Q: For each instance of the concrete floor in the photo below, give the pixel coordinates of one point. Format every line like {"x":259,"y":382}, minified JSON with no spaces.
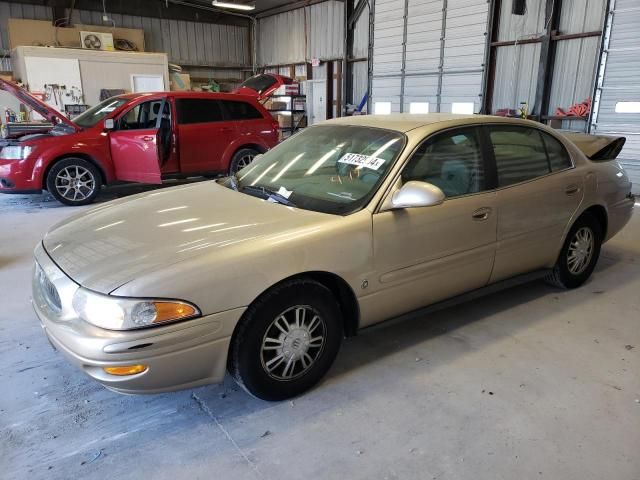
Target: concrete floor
{"x":532,"y":382}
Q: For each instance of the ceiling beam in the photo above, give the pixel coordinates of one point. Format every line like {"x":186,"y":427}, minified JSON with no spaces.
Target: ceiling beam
{"x":287,"y":8}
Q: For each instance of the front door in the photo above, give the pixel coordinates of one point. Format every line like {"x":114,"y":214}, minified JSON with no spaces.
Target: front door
{"x":538,"y":193}
{"x":137,"y":144}
{"x":204,"y":135}
{"x":423,"y":255}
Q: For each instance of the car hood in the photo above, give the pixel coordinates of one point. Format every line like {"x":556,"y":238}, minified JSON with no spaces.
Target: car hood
{"x":110,"y":245}
{"x":39,"y":106}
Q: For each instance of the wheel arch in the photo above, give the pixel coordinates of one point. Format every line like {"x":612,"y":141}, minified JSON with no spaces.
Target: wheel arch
{"x":340,"y":289}
{"x":600,"y":213}
{"x":253,"y":146}
{"x":65,"y":156}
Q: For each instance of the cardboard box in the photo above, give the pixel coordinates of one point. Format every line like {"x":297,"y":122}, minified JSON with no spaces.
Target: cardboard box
{"x":179,"y":82}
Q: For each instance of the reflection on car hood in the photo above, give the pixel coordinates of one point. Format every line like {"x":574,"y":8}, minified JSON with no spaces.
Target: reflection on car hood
{"x":115,"y":243}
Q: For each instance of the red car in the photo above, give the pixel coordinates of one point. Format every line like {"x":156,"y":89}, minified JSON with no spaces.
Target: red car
{"x":142,"y":137}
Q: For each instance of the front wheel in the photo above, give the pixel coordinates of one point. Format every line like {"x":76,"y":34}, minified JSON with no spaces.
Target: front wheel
{"x":74,"y":181}
{"x":241,"y":159}
{"x":579,"y":253}
{"x":286,"y":341}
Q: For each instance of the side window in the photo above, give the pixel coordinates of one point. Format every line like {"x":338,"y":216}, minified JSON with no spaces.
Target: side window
{"x":520,"y":154}
{"x":142,"y":116}
{"x":451,"y":161}
{"x":198,"y":110}
{"x":241,"y":111}
{"x":558,"y":157}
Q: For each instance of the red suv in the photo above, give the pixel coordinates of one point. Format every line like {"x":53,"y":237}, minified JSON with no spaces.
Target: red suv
{"x":140,"y":137}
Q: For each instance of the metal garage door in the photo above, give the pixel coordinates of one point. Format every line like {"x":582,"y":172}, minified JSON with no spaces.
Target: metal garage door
{"x":428,"y":54}
{"x":617,"y":99}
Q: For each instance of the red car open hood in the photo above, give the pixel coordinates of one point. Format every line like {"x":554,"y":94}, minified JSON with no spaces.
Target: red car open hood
{"x":262,"y":85}
{"x":51,"y":114}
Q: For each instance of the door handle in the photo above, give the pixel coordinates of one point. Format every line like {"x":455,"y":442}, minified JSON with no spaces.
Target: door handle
{"x":481,"y":214}
{"x":572,"y":189}
{"x":148,"y":138}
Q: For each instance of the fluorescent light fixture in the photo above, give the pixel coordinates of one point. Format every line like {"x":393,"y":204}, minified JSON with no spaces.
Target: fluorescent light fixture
{"x":382,"y":108}
{"x":462,"y":107}
{"x":419,"y":107}
{"x":235,"y":6}
{"x":628,"y":107}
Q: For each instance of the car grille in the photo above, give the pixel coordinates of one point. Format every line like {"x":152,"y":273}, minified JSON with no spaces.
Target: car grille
{"x":48,"y":290}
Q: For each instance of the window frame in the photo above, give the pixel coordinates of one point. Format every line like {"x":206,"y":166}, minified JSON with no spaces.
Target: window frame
{"x":487,"y":134}
{"x":123,"y":114}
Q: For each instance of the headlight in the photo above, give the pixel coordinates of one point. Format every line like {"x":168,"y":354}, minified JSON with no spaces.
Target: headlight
{"x":15,"y":152}
{"x":119,"y":313}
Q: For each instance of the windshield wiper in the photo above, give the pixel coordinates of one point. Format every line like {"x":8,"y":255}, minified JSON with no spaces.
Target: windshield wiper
{"x":269,"y":194}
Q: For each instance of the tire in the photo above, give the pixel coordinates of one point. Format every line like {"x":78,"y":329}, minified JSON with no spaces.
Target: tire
{"x":241,"y":159}
{"x":262,"y":337}
{"x":583,"y":246}
{"x":61,"y":181}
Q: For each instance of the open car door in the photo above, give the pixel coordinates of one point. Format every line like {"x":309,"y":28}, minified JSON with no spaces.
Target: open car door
{"x":135,"y":143}
{"x":262,"y":85}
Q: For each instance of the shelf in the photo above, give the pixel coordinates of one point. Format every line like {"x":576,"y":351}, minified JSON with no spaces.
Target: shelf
{"x":287,"y":110}
{"x":292,"y":96}
{"x":563,"y":117}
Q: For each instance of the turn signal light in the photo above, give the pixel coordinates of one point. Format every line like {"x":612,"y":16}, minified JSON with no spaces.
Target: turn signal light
{"x":125,"y":370}
{"x":167,"y":311}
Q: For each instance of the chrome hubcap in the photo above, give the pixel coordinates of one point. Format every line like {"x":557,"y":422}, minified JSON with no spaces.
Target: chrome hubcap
{"x":75,"y":183}
{"x":244,"y":161}
{"x":580,"y":251}
{"x":293,"y":342}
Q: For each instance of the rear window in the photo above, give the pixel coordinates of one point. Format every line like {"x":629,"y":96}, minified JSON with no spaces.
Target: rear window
{"x":259,"y":83}
{"x":240,"y":110}
{"x":558,"y":156}
{"x":198,"y":110}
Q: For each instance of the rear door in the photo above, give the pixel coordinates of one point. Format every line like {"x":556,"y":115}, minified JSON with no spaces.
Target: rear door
{"x":135,"y":143}
{"x":203,"y":134}
{"x":538,"y":193}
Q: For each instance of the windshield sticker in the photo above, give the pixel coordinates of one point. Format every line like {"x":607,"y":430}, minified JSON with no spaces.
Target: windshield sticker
{"x":284,"y":192}
{"x":107,"y":109}
{"x":373,"y":163}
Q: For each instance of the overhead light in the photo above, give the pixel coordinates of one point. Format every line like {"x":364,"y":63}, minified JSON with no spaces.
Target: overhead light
{"x":236,"y":6}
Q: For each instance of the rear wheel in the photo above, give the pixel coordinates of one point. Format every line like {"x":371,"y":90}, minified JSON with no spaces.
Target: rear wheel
{"x":286,"y":341}
{"x":74,"y":181}
{"x":579,"y":253}
{"x":241,"y":159}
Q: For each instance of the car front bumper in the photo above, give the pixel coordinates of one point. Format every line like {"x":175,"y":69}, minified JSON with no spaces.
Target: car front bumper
{"x":17,"y":176}
{"x":182,"y":355}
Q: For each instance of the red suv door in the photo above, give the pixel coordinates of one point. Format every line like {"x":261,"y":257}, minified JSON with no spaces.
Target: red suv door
{"x":203,"y":134}
{"x":137,"y":142}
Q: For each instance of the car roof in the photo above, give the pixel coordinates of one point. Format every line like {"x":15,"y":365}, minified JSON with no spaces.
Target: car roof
{"x":404,"y":122}
{"x":219,"y":95}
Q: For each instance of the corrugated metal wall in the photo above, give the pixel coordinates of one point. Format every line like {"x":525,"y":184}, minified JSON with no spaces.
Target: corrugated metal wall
{"x":429,"y":51}
{"x":575,"y":62}
{"x":186,"y":43}
{"x":299,"y":35}
{"x":621,"y":83}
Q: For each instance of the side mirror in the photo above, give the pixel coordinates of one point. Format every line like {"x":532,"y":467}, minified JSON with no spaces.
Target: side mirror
{"x":416,"y":194}
{"x":109,"y":124}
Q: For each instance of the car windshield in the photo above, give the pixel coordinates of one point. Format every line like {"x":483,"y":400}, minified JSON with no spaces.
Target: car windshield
{"x":92,"y":116}
{"x":331,"y":168}
{"x":259,"y":83}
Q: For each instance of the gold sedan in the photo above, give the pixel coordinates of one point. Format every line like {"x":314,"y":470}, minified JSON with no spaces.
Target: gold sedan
{"x":344,"y":225}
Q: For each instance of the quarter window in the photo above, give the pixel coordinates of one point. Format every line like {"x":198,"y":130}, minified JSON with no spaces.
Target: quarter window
{"x":558,"y":156}
{"x":198,"y":110}
{"x":240,"y":110}
{"x":520,"y":154}
{"x":451,"y":161}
